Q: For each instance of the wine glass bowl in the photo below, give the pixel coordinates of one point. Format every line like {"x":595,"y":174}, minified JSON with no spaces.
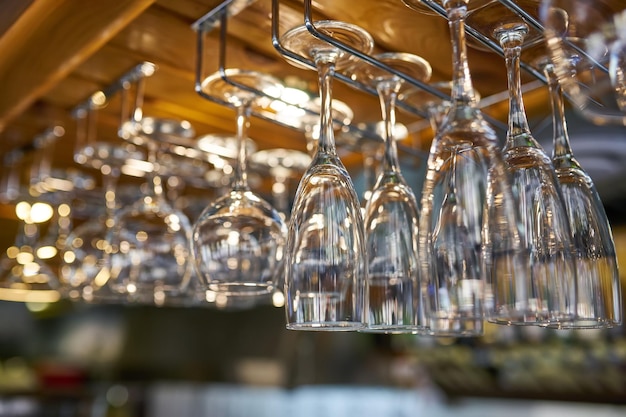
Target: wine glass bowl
{"x":593,"y":77}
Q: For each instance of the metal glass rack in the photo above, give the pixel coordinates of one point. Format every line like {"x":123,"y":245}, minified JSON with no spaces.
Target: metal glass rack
{"x":219,"y":16}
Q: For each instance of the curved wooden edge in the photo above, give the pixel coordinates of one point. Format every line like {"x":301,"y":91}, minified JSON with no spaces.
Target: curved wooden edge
{"x":49,"y":40}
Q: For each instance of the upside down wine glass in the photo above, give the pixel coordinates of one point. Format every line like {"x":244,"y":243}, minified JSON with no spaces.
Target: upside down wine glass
{"x":469,"y":235}
{"x":393,"y":290}
{"x":599,"y":303}
{"x":549,"y":296}
{"x":325,"y":256}
{"x":149,"y":241}
{"x":238,"y":240}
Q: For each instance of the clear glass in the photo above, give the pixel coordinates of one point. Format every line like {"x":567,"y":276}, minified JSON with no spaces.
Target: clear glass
{"x":325,"y":256}
{"x":391,"y":214}
{"x":550,"y":293}
{"x":469,"y":230}
{"x":599,"y":301}
{"x":148,"y":259}
{"x":238,"y":240}
{"x":594,"y":80}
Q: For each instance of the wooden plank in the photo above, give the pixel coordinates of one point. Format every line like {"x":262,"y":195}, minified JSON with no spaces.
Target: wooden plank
{"x":50,"y":39}
{"x":11,"y":11}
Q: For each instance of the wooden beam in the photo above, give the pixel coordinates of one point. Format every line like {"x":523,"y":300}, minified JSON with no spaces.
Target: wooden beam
{"x":49,"y":40}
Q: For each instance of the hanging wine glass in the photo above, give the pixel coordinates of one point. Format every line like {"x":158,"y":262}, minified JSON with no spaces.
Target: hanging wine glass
{"x":238,"y":239}
{"x":599,"y":303}
{"x":550,"y":294}
{"x":84,"y":270}
{"x":325,"y":269}
{"x":469,"y":236}
{"x":149,"y":240}
{"x":391,"y":215}
{"x":594,"y":80}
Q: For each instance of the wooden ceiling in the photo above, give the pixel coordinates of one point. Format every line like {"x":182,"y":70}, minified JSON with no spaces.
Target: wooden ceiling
{"x":56,"y":53}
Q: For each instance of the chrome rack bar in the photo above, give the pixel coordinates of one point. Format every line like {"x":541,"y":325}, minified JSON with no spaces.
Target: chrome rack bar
{"x":213,"y":18}
{"x":308,"y":21}
{"x":371,"y":60}
{"x":219,"y":17}
{"x":308,"y":63}
{"x":99,"y":98}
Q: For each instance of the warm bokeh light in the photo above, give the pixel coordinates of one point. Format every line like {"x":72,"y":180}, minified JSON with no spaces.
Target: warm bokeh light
{"x":41,"y":212}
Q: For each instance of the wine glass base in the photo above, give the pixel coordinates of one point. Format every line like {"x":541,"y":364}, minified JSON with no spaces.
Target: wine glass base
{"x":337,"y":326}
{"x":395,"y":329}
{"x":239,"y":289}
{"x":580,"y":324}
{"x":302,"y":42}
{"x":224,"y":86}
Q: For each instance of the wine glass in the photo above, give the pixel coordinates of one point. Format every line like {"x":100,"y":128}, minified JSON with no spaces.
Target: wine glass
{"x":238,"y":240}
{"x":599,"y":303}
{"x":325,"y":270}
{"x":469,"y":236}
{"x":84,"y":269}
{"x":595,"y":82}
{"x":549,"y":295}
{"x":149,"y":240}
{"x":391,"y":214}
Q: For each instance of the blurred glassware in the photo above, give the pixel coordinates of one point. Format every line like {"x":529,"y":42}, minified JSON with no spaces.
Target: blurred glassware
{"x":24,"y":276}
{"x":84,"y":269}
{"x":149,"y":240}
{"x":587,"y":44}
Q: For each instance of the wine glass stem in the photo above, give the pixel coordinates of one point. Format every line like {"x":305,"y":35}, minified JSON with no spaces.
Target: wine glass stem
{"x":243,"y":123}
{"x":388,"y":93}
{"x":562,"y":148}
{"x":462,"y":89}
{"x":153,"y":176}
{"x":110,"y":178}
{"x":517,"y":123}
{"x":326,"y":69}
